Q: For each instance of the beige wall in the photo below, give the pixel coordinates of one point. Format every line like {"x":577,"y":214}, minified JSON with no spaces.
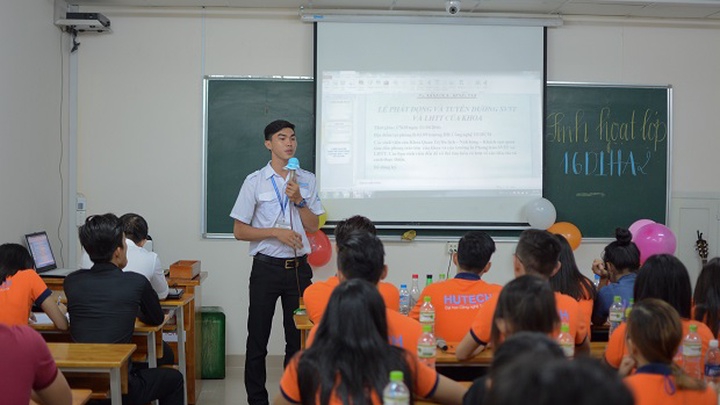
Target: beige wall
{"x":33,"y":150}
{"x":140,"y":124}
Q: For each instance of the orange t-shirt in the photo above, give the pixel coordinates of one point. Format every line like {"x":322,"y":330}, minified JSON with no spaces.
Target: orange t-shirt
{"x":568,"y":310}
{"x":616,"y":347}
{"x":402,"y":331}
{"x":425,"y":381}
{"x":317,"y":295}
{"x":653,"y":389}
{"x":18,"y":293}
{"x":586,"y":307}
{"x":456,"y":302}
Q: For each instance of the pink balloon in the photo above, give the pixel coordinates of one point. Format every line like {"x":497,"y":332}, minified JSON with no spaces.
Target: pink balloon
{"x":635,"y":227}
{"x":320,"y":249}
{"x":655,"y":239}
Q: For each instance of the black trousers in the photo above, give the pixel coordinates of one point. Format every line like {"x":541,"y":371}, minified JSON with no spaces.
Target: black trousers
{"x":268,"y":282}
{"x":148,"y":384}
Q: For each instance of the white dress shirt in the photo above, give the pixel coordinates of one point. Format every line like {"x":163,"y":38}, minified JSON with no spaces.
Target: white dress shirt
{"x":143,"y":262}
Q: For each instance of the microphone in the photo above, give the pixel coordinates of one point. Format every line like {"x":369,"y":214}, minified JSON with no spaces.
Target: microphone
{"x":441,"y":344}
{"x":292,"y":165}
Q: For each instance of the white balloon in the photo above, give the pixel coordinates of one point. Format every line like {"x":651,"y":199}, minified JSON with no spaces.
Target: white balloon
{"x":540,"y":213}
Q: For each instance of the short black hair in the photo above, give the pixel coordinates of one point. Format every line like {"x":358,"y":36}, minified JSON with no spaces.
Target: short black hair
{"x":361,"y":255}
{"x":353,"y":224}
{"x":275,"y":126}
{"x":474,"y":251}
{"x":14,"y":257}
{"x":100,"y":236}
{"x":135,"y":227}
{"x":538,"y":251}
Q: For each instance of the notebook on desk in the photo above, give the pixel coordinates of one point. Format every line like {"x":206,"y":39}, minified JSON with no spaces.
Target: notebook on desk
{"x":38,"y":244}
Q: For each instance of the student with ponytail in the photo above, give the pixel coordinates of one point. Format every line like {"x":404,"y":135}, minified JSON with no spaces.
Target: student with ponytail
{"x":654,"y":333}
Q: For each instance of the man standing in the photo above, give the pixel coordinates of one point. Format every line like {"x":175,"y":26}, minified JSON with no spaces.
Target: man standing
{"x":273,"y":211}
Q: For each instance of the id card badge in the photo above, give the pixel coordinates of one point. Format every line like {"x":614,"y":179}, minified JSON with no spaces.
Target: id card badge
{"x":282,"y":224}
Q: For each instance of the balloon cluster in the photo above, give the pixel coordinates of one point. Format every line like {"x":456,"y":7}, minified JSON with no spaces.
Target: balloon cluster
{"x":652,"y":238}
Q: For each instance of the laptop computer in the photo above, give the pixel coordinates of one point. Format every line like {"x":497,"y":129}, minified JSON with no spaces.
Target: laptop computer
{"x":38,"y":244}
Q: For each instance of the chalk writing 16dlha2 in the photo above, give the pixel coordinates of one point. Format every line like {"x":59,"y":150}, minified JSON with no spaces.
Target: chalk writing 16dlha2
{"x":613,"y":163}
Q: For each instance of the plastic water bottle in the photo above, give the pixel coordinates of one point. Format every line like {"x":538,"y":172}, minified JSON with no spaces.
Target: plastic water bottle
{"x":427,"y":346}
{"x":617,"y":312}
{"x":396,"y":392}
{"x":428,"y":280}
{"x":629,"y":308}
{"x":712,"y":363}
{"x":565,"y":340}
{"x":427,"y":314}
{"x":414,"y":291}
{"x":596,"y":281}
{"x":692,"y":353}
{"x":404,"y":299}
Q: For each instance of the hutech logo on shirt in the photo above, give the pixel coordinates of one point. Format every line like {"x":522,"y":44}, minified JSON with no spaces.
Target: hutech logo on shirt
{"x":464,"y":301}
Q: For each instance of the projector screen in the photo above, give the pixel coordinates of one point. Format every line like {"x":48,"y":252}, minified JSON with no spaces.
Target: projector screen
{"x":428,"y":124}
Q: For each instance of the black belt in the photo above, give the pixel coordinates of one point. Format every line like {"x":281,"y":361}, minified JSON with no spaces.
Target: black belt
{"x":285,"y":263}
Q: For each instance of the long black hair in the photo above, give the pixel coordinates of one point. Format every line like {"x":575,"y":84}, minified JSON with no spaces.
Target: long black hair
{"x":350,"y":356}
{"x":665,"y":277}
{"x":707,"y":295}
{"x":14,"y":257}
{"x":569,"y":280}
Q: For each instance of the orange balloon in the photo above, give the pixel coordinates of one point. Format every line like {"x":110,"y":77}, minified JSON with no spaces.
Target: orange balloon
{"x":569,"y":231}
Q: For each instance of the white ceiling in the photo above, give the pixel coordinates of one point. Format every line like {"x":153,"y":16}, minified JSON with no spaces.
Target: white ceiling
{"x":708,"y":10}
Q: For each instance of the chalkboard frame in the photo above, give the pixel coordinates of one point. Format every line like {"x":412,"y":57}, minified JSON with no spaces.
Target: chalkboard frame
{"x":445,"y":234}
{"x":305,"y":130}
{"x":667,"y":186}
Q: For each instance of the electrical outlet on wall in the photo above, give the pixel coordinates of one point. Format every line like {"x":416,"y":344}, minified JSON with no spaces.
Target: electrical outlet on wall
{"x":451,"y":247}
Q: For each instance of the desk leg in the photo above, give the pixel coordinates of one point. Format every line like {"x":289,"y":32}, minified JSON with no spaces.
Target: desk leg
{"x":152,"y":350}
{"x":180,"y":319}
{"x":115,"y":387}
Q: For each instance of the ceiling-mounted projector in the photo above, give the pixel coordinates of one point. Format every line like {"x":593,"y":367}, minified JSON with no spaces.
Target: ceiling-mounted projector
{"x":82,"y":22}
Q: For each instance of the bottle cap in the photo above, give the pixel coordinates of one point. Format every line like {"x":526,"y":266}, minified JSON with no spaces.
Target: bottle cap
{"x":565,"y":328}
{"x":403,"y":285}
{"x":427,"y":298}
{"x":415,"y":276}
{"x":427,"y":328}
{"x":714,"y":344}
{"x":693,"y":328}
{"x":617,"y":298}
{"x":396,"y":375}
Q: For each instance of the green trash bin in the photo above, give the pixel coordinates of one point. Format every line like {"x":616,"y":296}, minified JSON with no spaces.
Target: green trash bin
{"x":213,"y":343}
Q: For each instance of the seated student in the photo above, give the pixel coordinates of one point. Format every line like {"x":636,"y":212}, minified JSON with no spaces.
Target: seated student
{"x":104,"y":301}
{"x":337,"y":369}
{"x":706,"y":298}
{"x":571,"y":282}
{"x":617,"y":271}
{"x":27,"y":366}
{"x":456,"y":301}
{"x":139,"y":260}
{"x":361,"y":255}
{"x":654,"y":333}
{"x":532,"y":380}
{"x":21,"y":287}
{"x":539,"y":344}
{"x":663,"y":277}
{"x":318,"y":293}
{"x":536,"y":254}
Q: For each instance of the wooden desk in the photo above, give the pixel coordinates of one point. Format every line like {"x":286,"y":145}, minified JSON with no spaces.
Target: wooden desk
{"x":193,"y":337}
{"x":184,"y":311}
{"x":448,"y":359}
{"x":96,"y":358}
{"x":79,"y":397}
{"x":303,"y":324}
{"x":147,"y":338}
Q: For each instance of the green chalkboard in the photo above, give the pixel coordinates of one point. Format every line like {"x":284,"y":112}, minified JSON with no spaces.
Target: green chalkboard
{"x":606,"y":155}
{"x":236,"y":113}
{"x":606,"y":149}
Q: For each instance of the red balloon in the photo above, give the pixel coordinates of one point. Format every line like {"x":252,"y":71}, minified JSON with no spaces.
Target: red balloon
{"x":569,"y":231}
{"x":320,"y":249}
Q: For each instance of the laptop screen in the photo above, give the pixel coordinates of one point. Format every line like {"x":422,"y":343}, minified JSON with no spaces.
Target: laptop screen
{"x":39,"y":245}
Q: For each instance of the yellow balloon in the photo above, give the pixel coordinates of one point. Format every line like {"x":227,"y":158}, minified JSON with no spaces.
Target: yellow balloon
{"x":322,"y":218}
